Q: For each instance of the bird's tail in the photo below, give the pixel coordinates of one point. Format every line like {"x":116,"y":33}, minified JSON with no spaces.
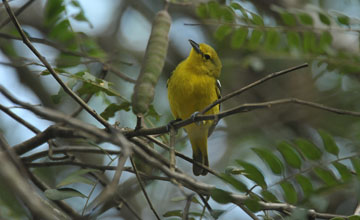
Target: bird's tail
{"x":198,"y":139}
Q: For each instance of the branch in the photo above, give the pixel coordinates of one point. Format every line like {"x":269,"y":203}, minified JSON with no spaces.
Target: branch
{"x":18,"y":12}
{"x":18,"y":119}
{"x":251,"y":85}
{"x":51,"y":132}
{"x":51,"y":70}
{"x":64,"y":150}
{"x":143,"y":189}
{"x":73,"y":53}
{"x":20,"y":187}
{"x":156,"y":160}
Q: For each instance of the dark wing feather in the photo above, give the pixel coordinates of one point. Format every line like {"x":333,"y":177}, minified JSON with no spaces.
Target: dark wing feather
{"x":218,"y":92}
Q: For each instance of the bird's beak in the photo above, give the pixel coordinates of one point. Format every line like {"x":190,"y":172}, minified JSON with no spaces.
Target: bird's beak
{"x":195,"y":46}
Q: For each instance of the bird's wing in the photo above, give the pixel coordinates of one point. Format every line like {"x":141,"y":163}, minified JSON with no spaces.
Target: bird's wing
{"x":218,"y":92}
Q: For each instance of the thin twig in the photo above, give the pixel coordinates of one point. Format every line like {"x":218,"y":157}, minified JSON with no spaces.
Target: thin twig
{"x":156,"y":160}
{"x":286,"y":28}
{"x":172,"y":148}
{"x":143,"y":188}
{"x":251,"y":85}
{"x":21,"y":188}
{"x":18,"y":119}
{"x":249,"y":212}
{"x":51,"y":70}
{"x":186,"y":158}
{"x":187,"y":206}
{"x":73,"y":53}
{"x":17,"y":12}
{"x":63,"y":150}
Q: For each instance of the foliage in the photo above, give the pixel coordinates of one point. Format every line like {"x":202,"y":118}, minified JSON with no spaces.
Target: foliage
{"x":301,"y":171}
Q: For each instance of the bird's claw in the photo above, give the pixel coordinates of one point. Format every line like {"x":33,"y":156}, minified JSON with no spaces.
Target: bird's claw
{"x":193,"y":117}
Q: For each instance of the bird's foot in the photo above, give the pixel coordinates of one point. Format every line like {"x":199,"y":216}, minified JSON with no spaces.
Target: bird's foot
{"x":193,"y":118}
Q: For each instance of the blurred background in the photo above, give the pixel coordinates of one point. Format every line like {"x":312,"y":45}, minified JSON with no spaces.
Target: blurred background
{"x":119,"y":31}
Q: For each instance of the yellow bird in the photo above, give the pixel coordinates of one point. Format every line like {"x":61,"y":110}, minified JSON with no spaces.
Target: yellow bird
{"x":192,"y":86}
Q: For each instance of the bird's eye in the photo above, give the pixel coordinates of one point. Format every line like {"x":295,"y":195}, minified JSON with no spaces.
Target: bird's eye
{"x":207,"y":56}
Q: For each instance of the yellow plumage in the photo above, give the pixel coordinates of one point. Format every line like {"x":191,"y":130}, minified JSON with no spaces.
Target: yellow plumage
{"x":193,"y":86}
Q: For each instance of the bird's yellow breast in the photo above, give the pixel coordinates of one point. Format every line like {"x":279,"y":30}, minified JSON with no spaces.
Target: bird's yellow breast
{"x":193,"y":92}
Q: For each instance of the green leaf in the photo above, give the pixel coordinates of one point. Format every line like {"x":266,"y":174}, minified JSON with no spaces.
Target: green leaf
{"x":310,"y":44}
{"x":288,"y":18}
{"x":172,"y":213}
{"x":309,"y":150}
{"x":65,"y":60}
{"x":255,"y":39}
{"x":202,"y":10}
{"x":269,"y":196}
{"x":93,"y":85}
{"x":111,"y":109}
{"x":324,"y":18}
{"x":153,"y":113}
{"x":257,"y":20}
{"x":272,"y":40}
{"x":305,"y":19}
{"x":62,"y":32}
{"x":227,"y":14}
{"x":289,"y":192}
{"x":76,"y":177}
{"x":214,"y":9}
{"x":354,"y":217}
{"x":92,"y":48}
{"x":337,"y":218}
{"x":81,"y":17}
{"x":356,"y":165}
{"x":216,"y":213}
{"x":252,"y":173}
{"x":294,"y":39}
{"x":220,"y":196}
{"x":53,"y":11}
{"x":343,"y":171}
{"x":234,"y":170}
{"x":325,"y":41}
{"x":64,"y":193}
{"x":329,"y":143}
{"x":289,"y":154}
{"x":222,"y":32}
{"x":239,"y":37}
{"x":253,"y":203}
{"x":56,"y":99}
{"x":326,"y":176}
{"x":270,"y":159}
{"x":305,"y":184}
{"x":237,"y":184}
{"x":237,"y":6}
{"x":343,"y":19}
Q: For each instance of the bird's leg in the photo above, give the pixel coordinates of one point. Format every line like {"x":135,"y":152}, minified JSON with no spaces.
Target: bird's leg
{"x":193,"y":117}
{"x":171,"y":124}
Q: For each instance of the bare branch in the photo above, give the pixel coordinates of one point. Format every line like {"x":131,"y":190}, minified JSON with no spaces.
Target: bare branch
{"x":73,"y":53}
{"x":143,"y":189}
{"x":20,"y":187}
{"x":17,"y":13}
{"x":51,"y":132}
{"x":156,"y":160}
{"x":51,"y":70}
{"x":63,"y":150}
{"x":18,"y":119}
{"x":251,"y":85}
{"x":187,"y":207}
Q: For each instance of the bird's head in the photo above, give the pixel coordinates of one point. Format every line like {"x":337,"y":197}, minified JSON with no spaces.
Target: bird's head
{"x":205,"y":59}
